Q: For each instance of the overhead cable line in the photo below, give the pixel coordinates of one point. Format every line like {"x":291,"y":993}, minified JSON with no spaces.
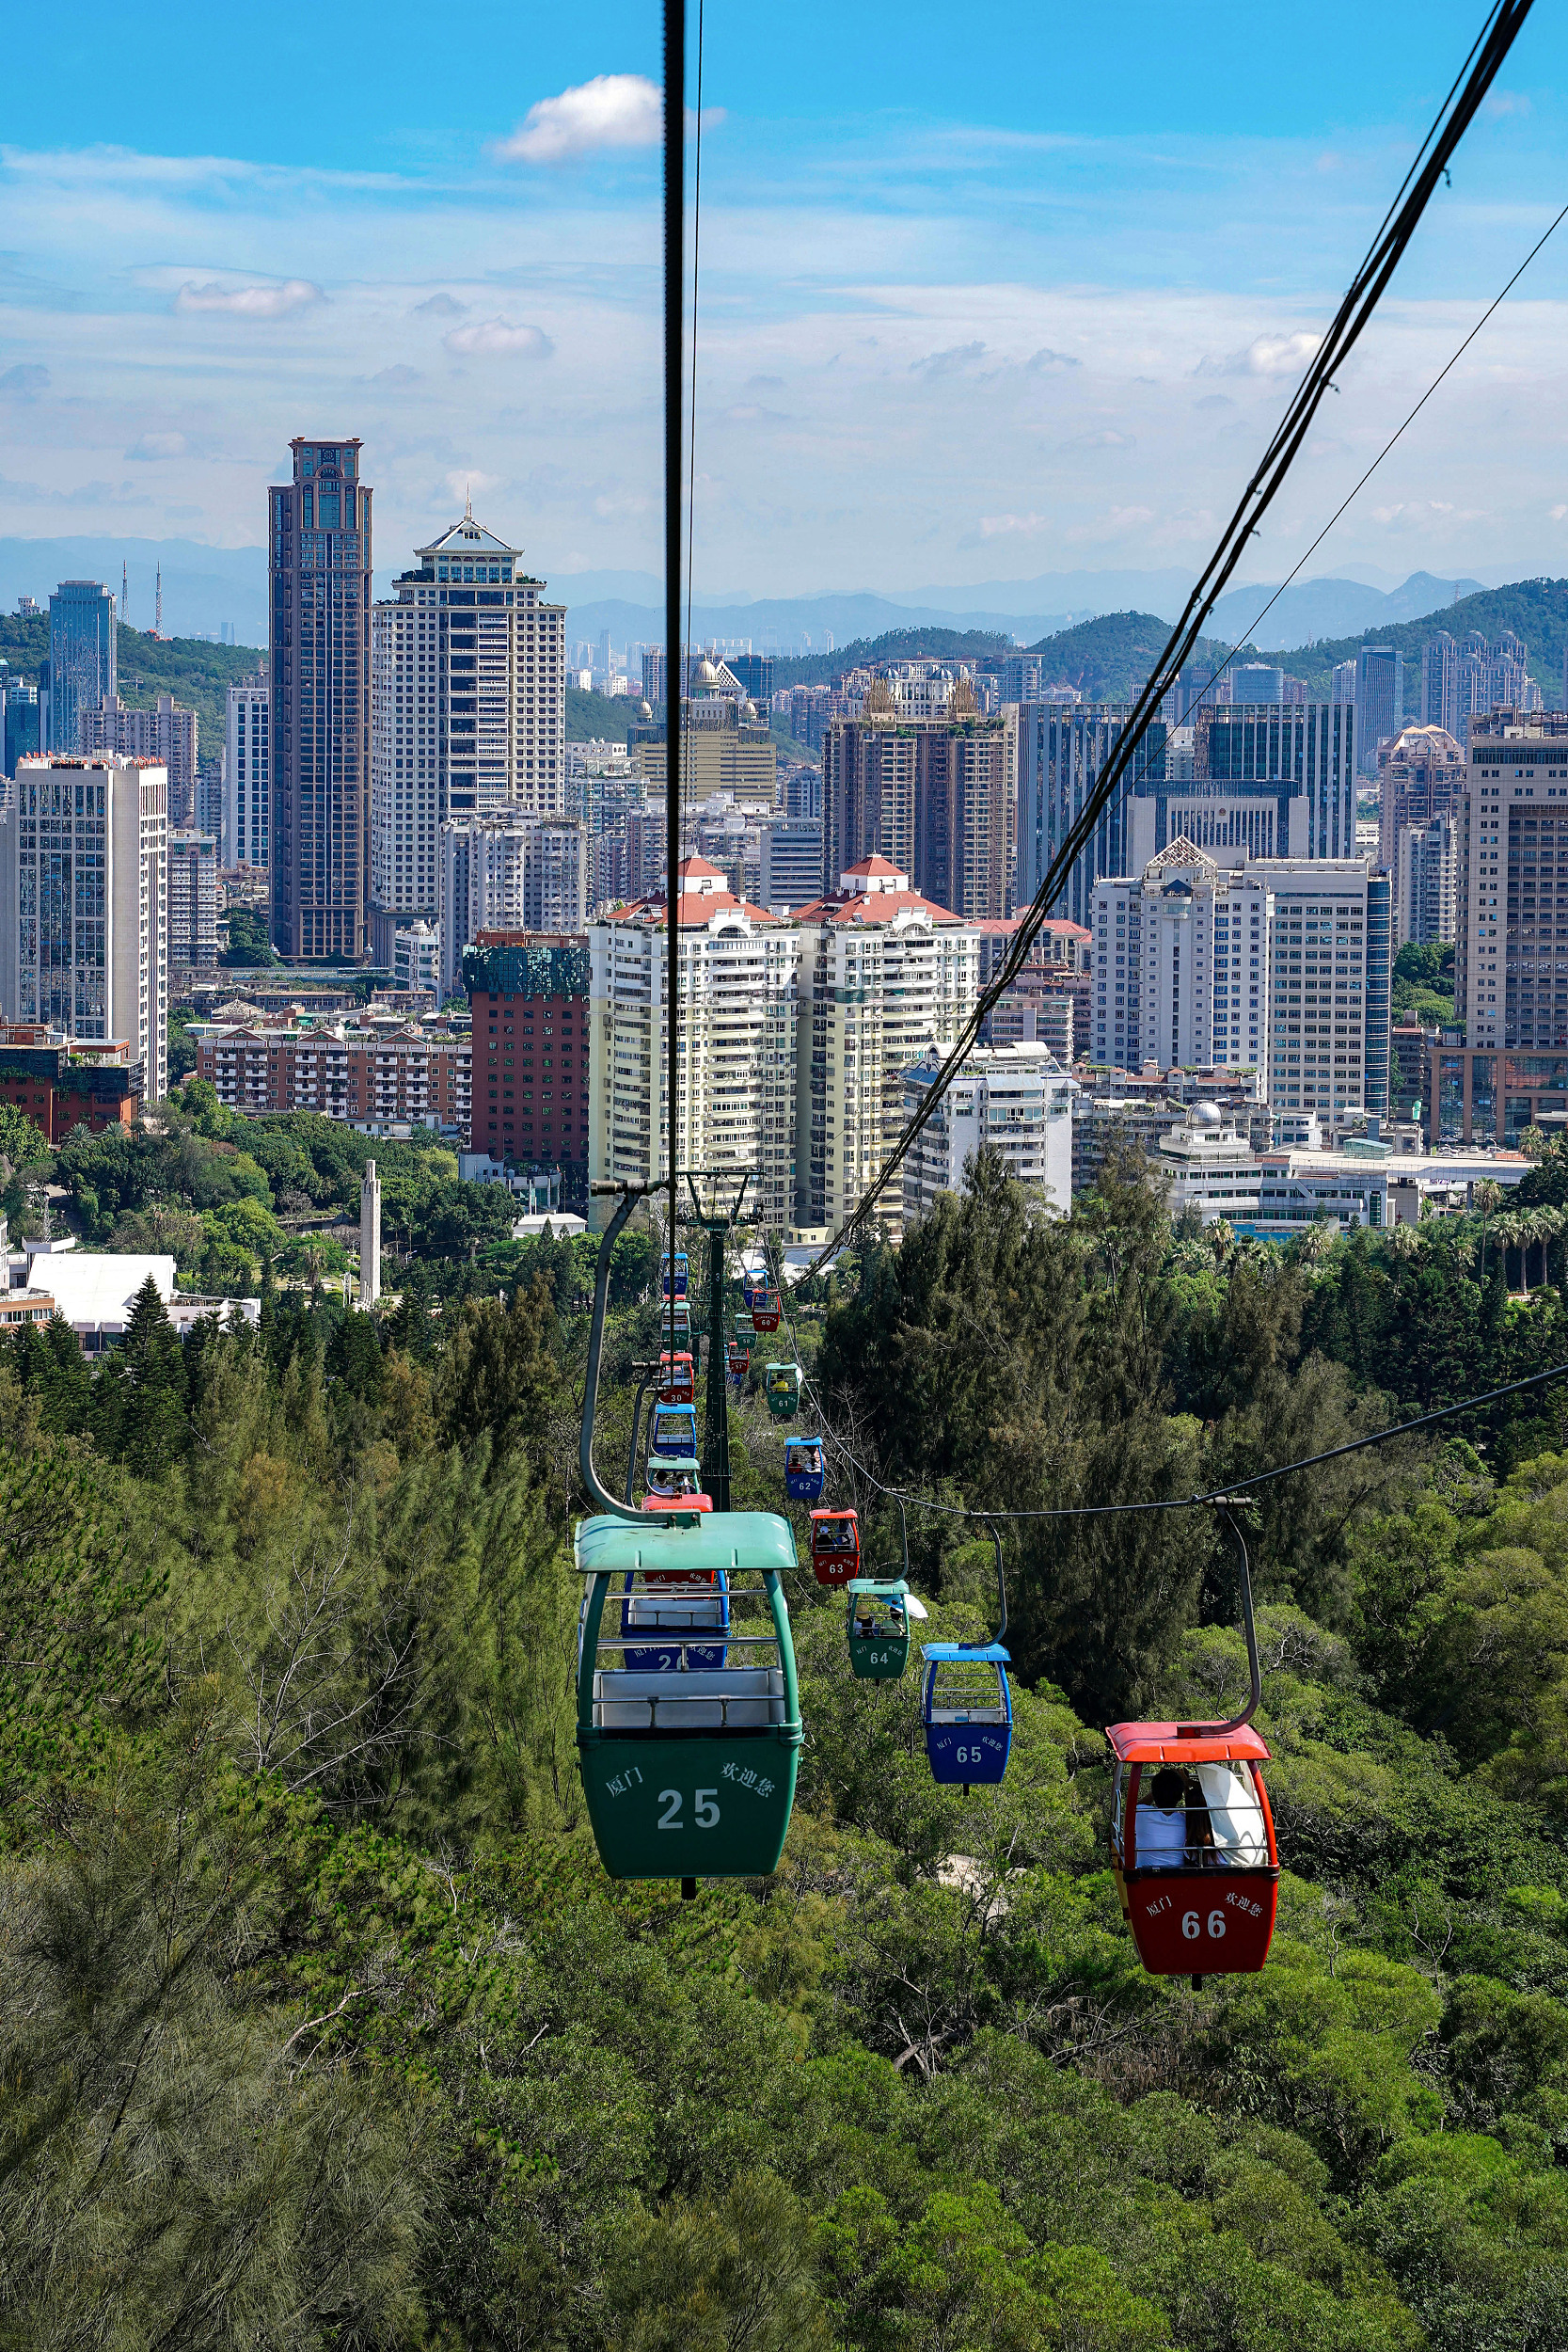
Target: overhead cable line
{"x":1349,"y":320}
{"x":1216,"y":1495}
{"x":685,"y":704}
{"x":1355,"y":491}
{"x":674,"y":287}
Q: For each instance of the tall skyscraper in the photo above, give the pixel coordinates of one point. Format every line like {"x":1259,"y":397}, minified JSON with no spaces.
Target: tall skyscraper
{"x":83,"y":903}
{"x":248,"y":775}
{"x":167,"y":734}
{"x":82,"y":659}
{"x":938,"y":799}
{"x":1379,"y":701}
{"x":509,"y":873}
{"x":468,"y":694}
{"x":1512,"y":964}
{"x":1062,"y":748}
{"x":319,"y":542}
{"x":1280,"y":966}
{"x":1421,"y":775}
{"x":19,"y":718}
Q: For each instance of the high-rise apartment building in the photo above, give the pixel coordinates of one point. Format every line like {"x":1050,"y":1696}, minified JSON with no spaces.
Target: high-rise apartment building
{"x":1511,"y":959}
{"x":167,"y":734}
{"x":739,"y":984}
{"x":885,"y":975}
{"x":1423,"y":870}
{"x":655,"y":675}
{"x":1461,"y":677}
{"x":1015,"y":1099}
{"x":509,"y":873}
{"x":84,"y":904}
{"x":1062,"y":748}
{"x":1282,"y":965}
{"x":527,"y":992}
{"x":193,"y":898}
{"x":468,"y":670}
{"x":938,"y":799}
{"x":1420,"y":776}
{"x":82,"y":659}
{"x":1379,"y":701}
{"x":247,"y":776}
{"x":319,"y":556}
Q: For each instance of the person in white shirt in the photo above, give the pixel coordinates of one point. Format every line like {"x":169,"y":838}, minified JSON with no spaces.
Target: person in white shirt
{"x":1161,"y":1823}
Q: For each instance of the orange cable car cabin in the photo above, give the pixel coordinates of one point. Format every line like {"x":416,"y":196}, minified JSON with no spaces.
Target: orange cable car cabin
{"x":1192,"y":1847}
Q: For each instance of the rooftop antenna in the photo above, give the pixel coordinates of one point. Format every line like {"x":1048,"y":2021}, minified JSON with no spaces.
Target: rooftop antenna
{"x":158,"y":605}
{"x":124,"y":589}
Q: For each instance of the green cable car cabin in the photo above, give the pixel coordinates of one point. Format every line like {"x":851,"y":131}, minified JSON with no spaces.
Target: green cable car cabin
{"x":783,"y":1387}
{"x":877,"y":1626}
{"x":690,"y":1771}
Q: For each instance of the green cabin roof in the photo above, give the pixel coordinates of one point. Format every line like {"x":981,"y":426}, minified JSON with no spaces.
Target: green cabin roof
{"x":729,"y":1540}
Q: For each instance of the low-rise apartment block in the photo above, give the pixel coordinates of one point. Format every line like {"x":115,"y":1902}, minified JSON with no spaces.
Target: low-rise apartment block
{"x":385,"y":1079}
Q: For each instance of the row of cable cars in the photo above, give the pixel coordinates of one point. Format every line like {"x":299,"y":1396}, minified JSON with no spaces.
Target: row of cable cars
{"x":691,"y":1742}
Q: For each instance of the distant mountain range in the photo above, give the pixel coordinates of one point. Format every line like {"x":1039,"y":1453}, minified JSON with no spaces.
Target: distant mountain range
{"x":205,"y":588}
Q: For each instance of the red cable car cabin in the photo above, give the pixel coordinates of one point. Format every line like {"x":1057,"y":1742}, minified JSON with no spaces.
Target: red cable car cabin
{"x":677,"y":1382}
{"x":836,"y":1546}
{"x":1192,"y":1847}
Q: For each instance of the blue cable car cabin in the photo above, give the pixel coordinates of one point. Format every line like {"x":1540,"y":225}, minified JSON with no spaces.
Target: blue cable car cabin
{"x":673,"y":1432}
{"x":675,"y":1616}
{"x":967,"y":1708}
{"x":690,"y":1772}
{"x":805,"y":1469}
{"x":673,"y":1272}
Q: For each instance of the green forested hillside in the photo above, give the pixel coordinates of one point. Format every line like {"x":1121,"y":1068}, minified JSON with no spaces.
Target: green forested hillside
{"x":321,"y":2025}
{"x":1535,"y":610}
{"x":916,"y":643}
{"x":1109,"y":659}
{"x":196,"y":673}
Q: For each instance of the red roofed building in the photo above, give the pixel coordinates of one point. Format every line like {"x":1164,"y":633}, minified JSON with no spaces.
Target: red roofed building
{"x":739,"y":992}
{"x":888,"y":973}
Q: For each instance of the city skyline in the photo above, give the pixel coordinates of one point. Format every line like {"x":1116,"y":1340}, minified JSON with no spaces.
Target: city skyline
{"x":485,"y":305}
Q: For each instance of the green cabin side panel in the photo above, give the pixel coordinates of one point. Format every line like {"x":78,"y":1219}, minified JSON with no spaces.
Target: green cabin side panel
{"x":694,"y":1806}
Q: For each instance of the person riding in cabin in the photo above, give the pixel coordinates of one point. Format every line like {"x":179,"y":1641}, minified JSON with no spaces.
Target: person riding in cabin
{"x":1163,"y":1823}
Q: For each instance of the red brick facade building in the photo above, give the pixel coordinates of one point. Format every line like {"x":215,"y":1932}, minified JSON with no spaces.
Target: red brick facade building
{"x":527,"y":992}
{"x":404,"y":1078}
{"x":61,"y":1085}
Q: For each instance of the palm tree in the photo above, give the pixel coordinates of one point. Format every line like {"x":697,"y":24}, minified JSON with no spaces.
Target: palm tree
{"x":1315,"y":1242}
{"x":1404,"y":1241}
{"x":1488,"y":1200}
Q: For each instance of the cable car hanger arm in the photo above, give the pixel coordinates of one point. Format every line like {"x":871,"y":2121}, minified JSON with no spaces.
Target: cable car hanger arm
{"x":599,"y":1495}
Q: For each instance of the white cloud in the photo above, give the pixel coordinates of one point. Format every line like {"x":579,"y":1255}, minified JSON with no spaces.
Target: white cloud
{"x":441,"y":306}
{"x":154,"y":445}
{"x":397,"y":379}
{"x":488,"y":338}
{"x":937,"y":364}
{"x":1508,"y":101}
{"x":468,"y":483}
{"x":611,"y":110}
{"x":1266,"y":355}
{"x":23,"y":383}
{"x":250,"y":302}
{"x":1012,"y":526}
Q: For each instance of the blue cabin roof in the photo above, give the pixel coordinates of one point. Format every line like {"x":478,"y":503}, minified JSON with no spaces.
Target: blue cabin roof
{"x":954,"y":1653}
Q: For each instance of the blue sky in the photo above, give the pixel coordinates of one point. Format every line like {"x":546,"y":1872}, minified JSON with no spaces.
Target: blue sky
{"x":981,"y":299}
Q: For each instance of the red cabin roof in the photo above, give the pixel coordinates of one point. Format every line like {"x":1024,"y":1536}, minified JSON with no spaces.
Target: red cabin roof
{"x":1165,"y":1743}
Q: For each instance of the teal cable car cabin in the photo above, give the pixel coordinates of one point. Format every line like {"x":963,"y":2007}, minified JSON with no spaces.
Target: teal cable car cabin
{"x":690,"y":1773}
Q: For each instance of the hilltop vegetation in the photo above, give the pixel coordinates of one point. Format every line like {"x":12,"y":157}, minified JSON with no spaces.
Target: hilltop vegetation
{"x":1535,"y":610}
{"x":317,"y":2009}
{"x":196,"y":673}
{"x":918,"y":643}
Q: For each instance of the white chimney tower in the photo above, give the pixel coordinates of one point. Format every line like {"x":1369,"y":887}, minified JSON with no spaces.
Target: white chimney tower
{"x":370,"y":1237}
